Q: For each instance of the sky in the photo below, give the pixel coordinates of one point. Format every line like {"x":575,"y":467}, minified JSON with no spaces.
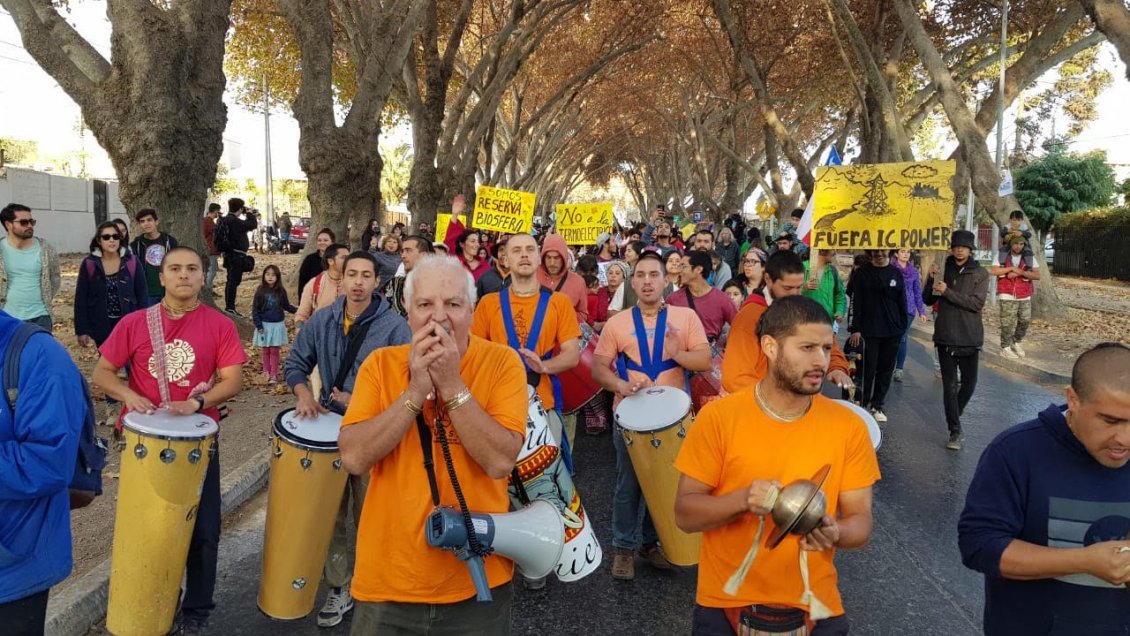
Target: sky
{"x":32,"y":105}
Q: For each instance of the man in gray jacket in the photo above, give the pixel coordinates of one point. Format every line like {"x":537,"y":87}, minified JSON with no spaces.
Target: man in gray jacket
{"x":323,"y":344}
{"x":29,"y":268}
{"x":958,"y":332}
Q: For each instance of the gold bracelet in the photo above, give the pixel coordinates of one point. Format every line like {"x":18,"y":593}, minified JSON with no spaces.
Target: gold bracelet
{"x":412,"y":408}
{"x":458,"y":401}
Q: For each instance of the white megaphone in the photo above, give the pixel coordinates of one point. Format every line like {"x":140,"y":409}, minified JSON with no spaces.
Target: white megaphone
{"x":532,"y":537}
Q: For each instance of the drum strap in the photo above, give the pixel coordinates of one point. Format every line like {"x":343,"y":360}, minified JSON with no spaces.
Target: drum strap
{"x":652,"y":362}
{"x":353,"y":346}
{"x":157,"y":341}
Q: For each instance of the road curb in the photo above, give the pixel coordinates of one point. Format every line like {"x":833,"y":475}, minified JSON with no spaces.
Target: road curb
{"x":1020,"y":367}
{"x":74,"y":608}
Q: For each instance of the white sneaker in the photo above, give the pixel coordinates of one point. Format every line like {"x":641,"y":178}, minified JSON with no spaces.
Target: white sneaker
{"x":1007,"y":352}
{"x":880,"y":416}
{"x":898,"y":375}
{"x":338,"y":604}
{"x":1018,"y":350}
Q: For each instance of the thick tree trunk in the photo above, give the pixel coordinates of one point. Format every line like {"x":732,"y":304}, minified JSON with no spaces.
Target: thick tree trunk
{"x":983,"y":172}
{"x":1113,"y":19}
{"x":344,"y":186}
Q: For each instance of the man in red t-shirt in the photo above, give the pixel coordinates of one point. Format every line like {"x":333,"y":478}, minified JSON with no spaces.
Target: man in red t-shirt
{"x":204,"y":364}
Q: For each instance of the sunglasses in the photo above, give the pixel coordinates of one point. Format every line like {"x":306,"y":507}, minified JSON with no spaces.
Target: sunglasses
{"x":26,"y":222}
{"x":111,"y":237}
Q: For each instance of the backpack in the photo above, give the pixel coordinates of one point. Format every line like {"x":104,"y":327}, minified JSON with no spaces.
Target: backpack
{"x":86,"y":483}
{"x":222,"y":235}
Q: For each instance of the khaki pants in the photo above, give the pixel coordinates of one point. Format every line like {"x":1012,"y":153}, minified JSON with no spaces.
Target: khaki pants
{"x":454,"y":619}
{"x":1016,"y":315}
{"x":569,"y":423}
{"x":337,"y":571}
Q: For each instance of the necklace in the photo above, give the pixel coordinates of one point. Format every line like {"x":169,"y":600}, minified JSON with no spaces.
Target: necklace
{"x":177,"y":313}
{"x":773,"y":414}
{"x":650,"y":313}
{"x":524,"y":294}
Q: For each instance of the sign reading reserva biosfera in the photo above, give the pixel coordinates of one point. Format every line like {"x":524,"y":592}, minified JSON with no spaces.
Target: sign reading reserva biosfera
{"x":506,"y":211}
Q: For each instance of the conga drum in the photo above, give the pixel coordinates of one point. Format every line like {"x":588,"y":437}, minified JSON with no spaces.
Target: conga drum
{"x":306,"y":486}
{"x":545,"y":477}
{"x":706,"y":386}
{"x":654,"y":423}
{"x":577,"y":386}
{"x":162,"y":474}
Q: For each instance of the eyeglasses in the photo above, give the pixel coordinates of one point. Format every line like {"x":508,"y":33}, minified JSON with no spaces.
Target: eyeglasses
{"x":111,"y":237}
{"x":751,"y":261}
{"x":26,"y":222}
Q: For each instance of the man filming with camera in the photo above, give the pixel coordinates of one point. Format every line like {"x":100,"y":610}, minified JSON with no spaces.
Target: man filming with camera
{"x":460,"y":401}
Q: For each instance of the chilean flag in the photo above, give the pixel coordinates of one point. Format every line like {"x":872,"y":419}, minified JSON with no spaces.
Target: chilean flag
{"x":804,"y":230}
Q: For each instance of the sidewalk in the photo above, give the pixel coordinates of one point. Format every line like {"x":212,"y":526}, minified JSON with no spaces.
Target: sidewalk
{"x":1042,"y":364}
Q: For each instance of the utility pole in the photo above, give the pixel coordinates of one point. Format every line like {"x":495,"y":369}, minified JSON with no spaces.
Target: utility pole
{"x":270,"y":203}
{"x":1003,"y":63}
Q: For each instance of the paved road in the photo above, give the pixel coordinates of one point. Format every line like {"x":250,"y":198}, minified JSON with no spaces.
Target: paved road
{"x":909,"y":580}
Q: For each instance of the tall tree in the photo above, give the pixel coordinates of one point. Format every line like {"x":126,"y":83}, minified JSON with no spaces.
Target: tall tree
{"x":156,"y":105}
{"x":1113,"y":19}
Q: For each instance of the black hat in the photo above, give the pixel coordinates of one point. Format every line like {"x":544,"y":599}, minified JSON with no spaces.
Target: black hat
{"x":963,"y":238}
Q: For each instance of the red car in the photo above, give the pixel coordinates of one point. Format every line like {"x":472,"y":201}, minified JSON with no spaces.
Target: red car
{"x":299,"y":231}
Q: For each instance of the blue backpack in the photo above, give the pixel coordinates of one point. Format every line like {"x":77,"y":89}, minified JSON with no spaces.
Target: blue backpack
{"x":86,"y":484}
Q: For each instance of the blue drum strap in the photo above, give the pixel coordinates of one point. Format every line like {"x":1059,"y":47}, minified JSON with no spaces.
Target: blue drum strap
{"x":651,"y":359}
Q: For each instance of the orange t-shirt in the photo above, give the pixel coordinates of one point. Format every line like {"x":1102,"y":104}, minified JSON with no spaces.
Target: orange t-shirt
{"x":394,"y":561}
{"x":743,"y":365}
{"x":619,"y":336}
{"x":733,"y":443}
{"x":559,"y":325}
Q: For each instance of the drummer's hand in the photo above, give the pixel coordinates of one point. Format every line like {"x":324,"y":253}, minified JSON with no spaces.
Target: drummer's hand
{"x":839,"y":378}
{"x":421,"y":353}
{"x":759,"y":494}
{"x":824,"y":537}
{"x":307,"y":406}
{"x":627,"y":389}
{"x":139,"y":404}
{"x":854,"y":339}
{"x":536,"y":364}
{"x":182,"y":407}
{"x":672,"y":342}
{"x":341,"y":397}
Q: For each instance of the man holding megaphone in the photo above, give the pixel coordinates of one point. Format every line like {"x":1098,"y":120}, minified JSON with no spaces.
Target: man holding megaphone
{"x":460,"y":400}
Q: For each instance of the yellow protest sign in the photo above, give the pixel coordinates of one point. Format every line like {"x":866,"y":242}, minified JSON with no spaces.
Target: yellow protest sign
{"x":688,"y":231}
{"x":884,"y":206}
{"x":442,"y":221}
{"x":581,"y":223}
{"x":506,"y":211}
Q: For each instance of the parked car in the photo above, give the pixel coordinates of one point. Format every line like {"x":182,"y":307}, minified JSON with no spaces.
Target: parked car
{"x":299,"y":231}
{"x":1049,"y":251}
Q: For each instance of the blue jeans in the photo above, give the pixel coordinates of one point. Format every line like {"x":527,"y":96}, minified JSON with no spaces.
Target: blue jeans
{"x":902,"y":343}
{"x":44,"y":322}
{"x":213,"y":265}
{"x":631,"y":523}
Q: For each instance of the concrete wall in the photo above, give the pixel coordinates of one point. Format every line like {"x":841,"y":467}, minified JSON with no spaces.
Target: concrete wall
{"x":63,"y":206}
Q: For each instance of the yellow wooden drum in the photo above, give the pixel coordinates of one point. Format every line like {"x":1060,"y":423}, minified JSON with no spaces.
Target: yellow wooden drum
{"x":307,"y":483}
{"x":163,"y":466}
{"x":654,"y":423}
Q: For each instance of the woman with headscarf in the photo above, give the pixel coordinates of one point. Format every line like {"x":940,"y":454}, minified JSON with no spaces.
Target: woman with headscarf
{"x":619,"y":275}
{"x":752,"y":274}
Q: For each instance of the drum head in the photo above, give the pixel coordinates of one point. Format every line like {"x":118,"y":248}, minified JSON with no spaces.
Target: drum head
{"x":653,"y":409}
{"x":873,"y":429}
{"x":319,"y":431}
{"x":166,"y":425}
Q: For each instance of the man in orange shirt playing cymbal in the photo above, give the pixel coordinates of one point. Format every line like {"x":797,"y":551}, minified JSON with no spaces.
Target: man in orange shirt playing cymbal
{"x":736,"y":457}
{"x":464,"y":400}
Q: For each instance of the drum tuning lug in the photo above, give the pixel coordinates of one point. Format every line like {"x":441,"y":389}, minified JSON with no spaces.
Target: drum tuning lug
{"x":337,"y":464}
{"x":656,"y":442}
{"x":194,"y":456}
{"x":682,"y":432}
{"x":168,"y":455}
{"x":140,"y":451}
{"x":278,"y":451}
{"x":120,"y":445}
{"x":306,"y":463}
{"x":627,"y":441}
{"x":298,"y":583}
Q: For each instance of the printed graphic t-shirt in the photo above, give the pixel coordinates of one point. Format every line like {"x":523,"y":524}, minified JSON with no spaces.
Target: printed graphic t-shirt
{"x":733,"y":443}
{"x":153,"y":252}
{"x":619,"y":336}
{"x":196,"y":346}
{"x":394,"y":561}
{"x":559,"y":325}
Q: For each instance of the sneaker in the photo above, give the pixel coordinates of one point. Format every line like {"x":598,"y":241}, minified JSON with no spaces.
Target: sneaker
{"x":623,"y":564}
{"x":1018,"y":350}
{"x":938,"y":373}
{"x":955,"y":441}
{"x":1007,"y":352}
{"x":898,"y":375}
{"x":189,"y":626}
{"x":655,"y":557}
{"x":879,"y":415}
{"x":534,"y":584}
{"x":337,"y":605}
{"x":231,"y":312}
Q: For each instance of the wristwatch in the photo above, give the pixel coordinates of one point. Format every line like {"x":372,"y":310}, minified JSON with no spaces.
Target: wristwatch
{"x":200,"y":401}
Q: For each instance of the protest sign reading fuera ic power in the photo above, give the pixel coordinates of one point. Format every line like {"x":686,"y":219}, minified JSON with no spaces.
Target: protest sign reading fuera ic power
{"x":506,"y":211}
{"x":883,"y":206}
{"x":581,"y":223}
